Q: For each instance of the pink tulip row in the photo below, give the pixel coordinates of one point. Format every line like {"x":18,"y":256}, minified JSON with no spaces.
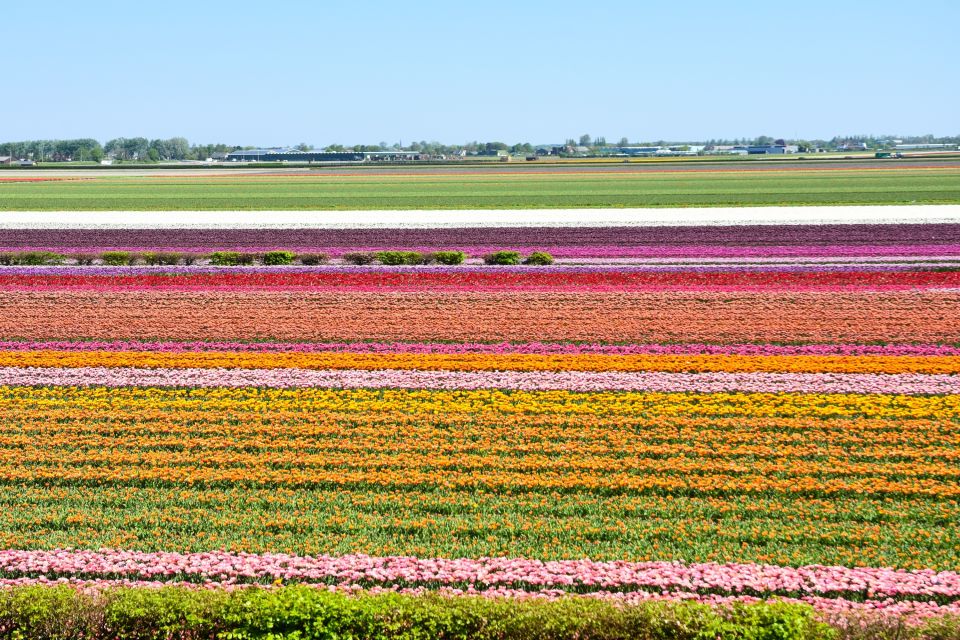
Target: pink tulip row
{"x":711,"y":382}
{"x":676,"y":579}
{"x":546,"y":348}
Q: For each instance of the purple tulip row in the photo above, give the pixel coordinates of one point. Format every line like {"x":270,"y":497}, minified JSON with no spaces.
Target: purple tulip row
{"x":740,"y":235}
{"x":655,"y":381}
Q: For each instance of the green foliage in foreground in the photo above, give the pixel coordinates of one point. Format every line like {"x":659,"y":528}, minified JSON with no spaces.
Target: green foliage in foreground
{"x":305,"y":612}
{"x":493,"y":190}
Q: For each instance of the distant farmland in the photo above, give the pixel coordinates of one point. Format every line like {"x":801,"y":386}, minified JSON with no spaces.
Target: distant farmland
{"x":496,"y":187}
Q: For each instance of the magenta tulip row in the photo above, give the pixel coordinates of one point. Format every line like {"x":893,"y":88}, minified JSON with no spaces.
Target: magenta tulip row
{"x":474,"y":288}
{"x":667,"y":382}
{"x":545,"y":348}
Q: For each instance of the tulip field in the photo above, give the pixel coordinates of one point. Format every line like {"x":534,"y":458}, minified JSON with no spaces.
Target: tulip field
{"x":713,"y":414}
{"x":683,"y":184}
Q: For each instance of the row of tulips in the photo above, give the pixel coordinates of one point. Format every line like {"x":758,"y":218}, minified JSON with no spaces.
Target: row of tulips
{"x":579,"y":381}
{"x":783,"y":529}
{"x":578,"y":576}
{"x":205,"y":426}
{"x":922,"y":316}
{"x":567,"y":363}
{"x":598,"y":279}
{"x":472,"y":403}
{"x":66,"y":240}
{"x":491,"y":348}
{"x":711,"y":444}
{"x":863,"y":608}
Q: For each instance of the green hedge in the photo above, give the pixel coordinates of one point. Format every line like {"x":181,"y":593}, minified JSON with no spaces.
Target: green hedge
{"x":502,"y":257}
{"x":539,"y":258}
{"x":394,"y":258}
{"x":358,"y":257}
{"x":276,"y":258}
{"x":61,"y":612}
{"x":279,"y":257}
{"x":231,"y":258}
{"x":154,"y":258}
{"x":115,"y":258}
{"x":448,"y":257}
{"x":31,"y":258}
{"x":313,"y":259}
{"x":307,"y":612}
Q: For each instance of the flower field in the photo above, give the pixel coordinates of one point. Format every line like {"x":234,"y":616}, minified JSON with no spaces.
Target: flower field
{"x":692,"y":413}
{"x":637,"y":184}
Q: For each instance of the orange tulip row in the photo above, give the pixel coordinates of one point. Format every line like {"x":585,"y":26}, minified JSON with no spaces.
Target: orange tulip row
{"x":268,"y":402}
{"x":561,"y":441}
{"x":906,"y":316}
{"x":483,"y":362}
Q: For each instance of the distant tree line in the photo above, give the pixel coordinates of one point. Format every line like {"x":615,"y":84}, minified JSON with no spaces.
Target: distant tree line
{"x":55,"y":150}
{"x":88,"y":149}
{"x":179,"y":148}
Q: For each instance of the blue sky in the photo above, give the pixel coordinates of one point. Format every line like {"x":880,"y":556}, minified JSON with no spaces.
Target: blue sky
{"x":365,"y":71}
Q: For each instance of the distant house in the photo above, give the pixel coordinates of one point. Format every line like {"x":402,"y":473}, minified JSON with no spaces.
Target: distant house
{"x":852,"y":146}
{"x":771,"y":149}
{"x":725,"y":149}
{"x":295,"y":155}
{"x":6,"y":159}
{"x":926,"y":147}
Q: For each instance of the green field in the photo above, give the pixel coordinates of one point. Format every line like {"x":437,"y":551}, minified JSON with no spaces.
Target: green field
{"x":901,"y":531}
{"x":499,"y":188}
